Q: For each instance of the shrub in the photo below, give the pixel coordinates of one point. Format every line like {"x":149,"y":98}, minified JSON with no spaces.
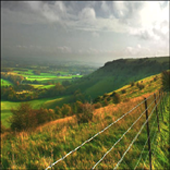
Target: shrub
{"x":58,"y":111}
{"x":132,"y":83}
{"x":66,"y":110}
{"x":155,"y":78}
{"x":21,"y":118}
{"x":116,"y":98}
{"x":123,"y":91}
{"x":97,"y":105}
{"x":98,"y":99}
{"x":105,"y":95}
{"x":106,"y":103}
{"x":140,"y":86}
{"x":166,"y":80}
{"x":24,"y":117}
{"x":3,"y":128}
{"x":87,"y":114}
{"x":113,"y":94}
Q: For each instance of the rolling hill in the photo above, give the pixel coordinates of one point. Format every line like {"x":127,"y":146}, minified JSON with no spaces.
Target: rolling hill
{"x":118,"y":73}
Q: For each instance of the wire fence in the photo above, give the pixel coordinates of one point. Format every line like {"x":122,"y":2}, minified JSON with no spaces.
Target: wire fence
{"x":134,"y":139}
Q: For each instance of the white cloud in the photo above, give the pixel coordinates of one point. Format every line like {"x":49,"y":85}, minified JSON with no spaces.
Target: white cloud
{"x":104,"y":6}
{"x":87,"y":14}
{"x":65,"y":49}
{"x":95,"y":34}
{"x":120,"y":8}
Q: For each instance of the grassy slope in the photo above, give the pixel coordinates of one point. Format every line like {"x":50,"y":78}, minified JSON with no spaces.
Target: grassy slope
{"x":118,"y":73}
{"x":161,"y":149}
{"x":49,"y":143}
{"x":53,"y":102}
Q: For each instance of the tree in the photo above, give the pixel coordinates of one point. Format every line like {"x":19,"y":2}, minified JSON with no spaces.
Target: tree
{"x":58,"y":111}
{"x":87,"y":114}
{"x":116,"y":98}
{"x":23,"y":117}
{"x":66,"y":110}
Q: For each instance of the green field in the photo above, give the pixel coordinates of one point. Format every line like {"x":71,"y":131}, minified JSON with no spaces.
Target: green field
{"x":5,"y":82}
{"x":46,"y":103}
{"x":46,"y":77}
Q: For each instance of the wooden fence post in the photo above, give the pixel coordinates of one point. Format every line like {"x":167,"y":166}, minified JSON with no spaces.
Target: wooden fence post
{"x":149,"y":146}
{"x":157,"y":112}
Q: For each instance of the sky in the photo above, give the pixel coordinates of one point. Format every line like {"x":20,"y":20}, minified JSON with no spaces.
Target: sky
{"x":93,"y":31}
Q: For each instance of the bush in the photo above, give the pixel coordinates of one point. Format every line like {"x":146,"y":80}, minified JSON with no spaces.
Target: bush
{"x":24,"y":117}
{"x":166,"y":80}
{"x":116,"y":98}
{"x":66,"y":110}
{"x":97,"y":105}
{"x":123,"y":91}
{"x":106,"y":103}
{"x":113,"y":94}
{"x":3,"y":128}
{"x":105,"y":95}
{"x":98,"y":99}
{"x":155,"y":78}
{"x":132,"y":83}
{"x":58,"y":111}
{"x":87,"y":114}
{"x":140,"y":86}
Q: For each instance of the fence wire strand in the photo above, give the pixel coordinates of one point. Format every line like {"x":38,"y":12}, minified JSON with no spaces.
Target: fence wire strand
{"x":121,"y":137}
{"x":136,"y":137}
{"x":88,"y":140}
{"x":146,"y":141}
{"x":149,"y":150}
{"x":145,"y":145}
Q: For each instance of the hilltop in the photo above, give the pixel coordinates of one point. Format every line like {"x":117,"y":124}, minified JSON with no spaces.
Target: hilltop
{"x":118,"y":73}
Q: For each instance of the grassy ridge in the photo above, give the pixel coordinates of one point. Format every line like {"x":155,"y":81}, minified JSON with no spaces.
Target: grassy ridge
{"x":115,"y":74}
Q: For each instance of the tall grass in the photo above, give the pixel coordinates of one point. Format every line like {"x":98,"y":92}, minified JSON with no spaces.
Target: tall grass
{"x":36,"y":150}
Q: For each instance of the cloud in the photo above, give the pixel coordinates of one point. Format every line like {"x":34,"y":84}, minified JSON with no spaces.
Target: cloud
{"x":137,"y":50}
{"x":104,"y":6}
{"x":65,"y":49}
{"x":95,"y":34}
{"x":87,"y":14}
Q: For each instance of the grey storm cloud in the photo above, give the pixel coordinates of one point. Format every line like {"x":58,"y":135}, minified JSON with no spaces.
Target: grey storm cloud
{"x":82,"y":27}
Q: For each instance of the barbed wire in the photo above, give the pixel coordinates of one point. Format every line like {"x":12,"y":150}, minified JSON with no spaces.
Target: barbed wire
{"x":122,"y":136}
{"x":146,"y":142}
{"x":149,"y":150}
{"x":135,"y":137}
{"x":88,"y":140}
{"x":144,"y":145}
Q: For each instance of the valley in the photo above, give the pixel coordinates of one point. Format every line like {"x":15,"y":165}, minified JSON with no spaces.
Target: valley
{"x":68,"y":112}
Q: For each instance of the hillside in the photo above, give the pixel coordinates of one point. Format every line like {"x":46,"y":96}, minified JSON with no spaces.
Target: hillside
{"x":118,"y":73}
{"x":39,"y":148}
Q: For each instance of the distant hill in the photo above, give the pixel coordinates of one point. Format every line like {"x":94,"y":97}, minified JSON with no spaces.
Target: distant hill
{"x":117,"y":73}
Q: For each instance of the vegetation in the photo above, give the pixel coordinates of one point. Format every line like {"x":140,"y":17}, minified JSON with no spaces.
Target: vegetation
{"x":36,"y":136}
{"x":25,"y":118}
{"x":87,"y":113}
{"x":166,"y":80}
{"x":118,"y":73}
{"x":49,"y":143}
